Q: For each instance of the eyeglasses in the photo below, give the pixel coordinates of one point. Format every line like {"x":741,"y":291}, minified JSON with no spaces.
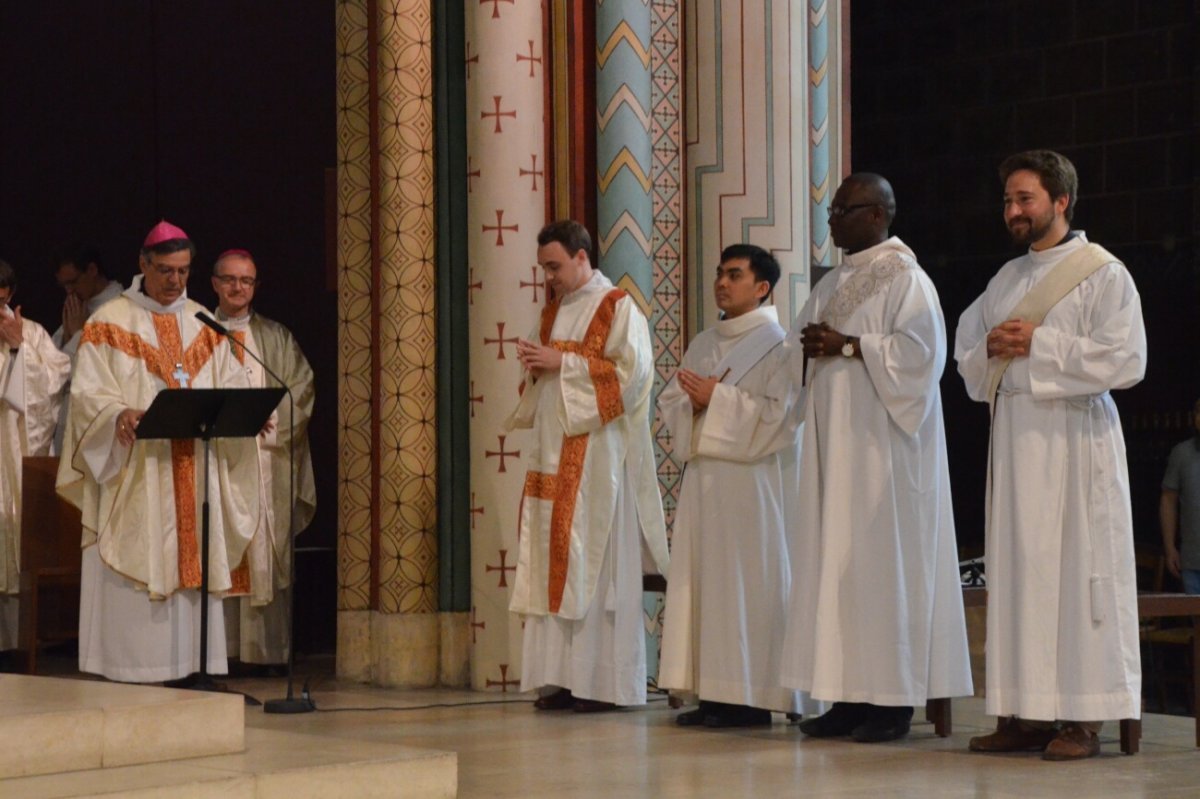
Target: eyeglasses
{"x":229,"y":280}
{"x":842,"y":210}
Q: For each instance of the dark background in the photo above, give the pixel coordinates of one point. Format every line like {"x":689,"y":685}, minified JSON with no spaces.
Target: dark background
{"x":942,"y":92}
{"x":217,"y":115}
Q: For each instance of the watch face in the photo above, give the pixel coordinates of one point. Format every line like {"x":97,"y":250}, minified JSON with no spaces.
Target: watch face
{"x":848,"y":349}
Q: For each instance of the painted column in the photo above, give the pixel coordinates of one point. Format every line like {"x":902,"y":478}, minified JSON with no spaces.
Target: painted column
{"x":750,"y":145}
{"x":388,"y":630}
{"x":505,"y":211}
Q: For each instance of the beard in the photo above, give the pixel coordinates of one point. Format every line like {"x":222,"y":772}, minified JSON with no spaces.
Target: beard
{"x":1031,"y":228}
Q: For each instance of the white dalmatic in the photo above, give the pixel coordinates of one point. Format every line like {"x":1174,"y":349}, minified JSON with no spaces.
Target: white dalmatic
{"x":590,"y":502}
{"x":1062,"y":593}
{"x":730,"y":578}
{"x":876,"y":608}
{"x":31,"y":381}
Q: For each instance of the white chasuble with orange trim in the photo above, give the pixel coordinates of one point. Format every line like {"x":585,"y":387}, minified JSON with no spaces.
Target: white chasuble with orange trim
{"x":141,"y":505}
{"x":591,"y":427}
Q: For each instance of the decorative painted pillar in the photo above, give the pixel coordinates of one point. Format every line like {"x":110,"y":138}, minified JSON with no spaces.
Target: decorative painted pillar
{"x":388,"y":627}
{"x":505,"y":210}
{"x":753,"y":150}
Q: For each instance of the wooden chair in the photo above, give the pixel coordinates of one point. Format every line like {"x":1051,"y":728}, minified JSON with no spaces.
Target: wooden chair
{"x":51,"y":535}
{"x":1152,"y":568}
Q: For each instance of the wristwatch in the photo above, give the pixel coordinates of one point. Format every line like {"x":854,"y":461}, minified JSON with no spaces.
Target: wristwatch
{"x":849,"y":346}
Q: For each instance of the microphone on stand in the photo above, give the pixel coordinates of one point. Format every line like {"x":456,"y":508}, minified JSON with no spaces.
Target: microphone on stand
{"x":290,"y":704}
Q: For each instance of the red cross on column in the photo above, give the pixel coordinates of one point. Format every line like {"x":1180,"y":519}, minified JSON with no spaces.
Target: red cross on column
{"x":470,"y":59}
{"x":502,"y":568}
{"x":531,"y":58}
{"x":476,"y":510}
{"x":533,"y":171}
{"x":472,"y":286}
{"x":471,"y":175}
{"x":495,"y":6}
{"x":501,"y":340}
{"x":476,"y":625}
{"x":501,"y":454}
{"x":503,"y":682}
{"x":534,"y":283}
{"x":500,"y":227}
{"x":497,"y":114}
{"x":476,"y":399}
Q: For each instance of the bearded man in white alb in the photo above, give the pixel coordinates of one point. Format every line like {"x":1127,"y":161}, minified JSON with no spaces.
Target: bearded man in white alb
{"x":32,"y":374}
{"x":139,"y":610}
{"x":256,"y":626}
{"x":731,"y":411}
{"x":1056,"y":330}
{"x":876,"y":623}
{"x":591,"y":494}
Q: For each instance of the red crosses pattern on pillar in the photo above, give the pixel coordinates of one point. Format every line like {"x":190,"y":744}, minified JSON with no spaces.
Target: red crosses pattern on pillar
{"x":476,"y":625}
{"x":501,"y":454}
{"x":533,"y":172}
{"x":497,"y":114}
{"x":475,"y":399}
{"x":476,"y":510}
{"x":503,"y":568}
{"x":503,"y":683}
{"x":500,"y":227}
{"x":505,"y":135}
{"x":501,"y":340}
{"x":531,"y":58}
{"x":534,"y":283}
{"x":495,"y":6}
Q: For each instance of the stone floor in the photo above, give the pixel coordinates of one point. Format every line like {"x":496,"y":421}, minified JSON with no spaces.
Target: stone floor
{"x":507,"y":749}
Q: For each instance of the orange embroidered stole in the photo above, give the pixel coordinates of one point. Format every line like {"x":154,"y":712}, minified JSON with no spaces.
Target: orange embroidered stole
{"x":161,"y":362}
{"x":563,"y":488}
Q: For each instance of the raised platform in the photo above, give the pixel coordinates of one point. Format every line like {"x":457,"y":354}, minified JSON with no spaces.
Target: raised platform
{"x":78,"y":737}
{"x":50,"y":725}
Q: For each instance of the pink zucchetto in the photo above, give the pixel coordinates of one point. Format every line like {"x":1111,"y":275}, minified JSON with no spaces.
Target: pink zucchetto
{"x":163,"y":231}
{"x":243,"y":253}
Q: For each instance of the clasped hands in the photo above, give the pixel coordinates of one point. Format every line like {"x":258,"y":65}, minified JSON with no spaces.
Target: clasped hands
{"x":538,"y":359}
{"x":819,"y":340}
{"x":698,"y":388}
{"x":1010,"y":339}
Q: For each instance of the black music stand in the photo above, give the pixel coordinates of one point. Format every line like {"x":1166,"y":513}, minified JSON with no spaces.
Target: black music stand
{"x":207,"y":413}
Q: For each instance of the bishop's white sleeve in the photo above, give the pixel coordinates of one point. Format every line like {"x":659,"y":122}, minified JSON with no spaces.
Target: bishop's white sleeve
{"x":970,"y":350}
{"x":744,"y":425}
{"x":905,"y":364}
{"x":595,"y":391}
{"x":45,"y":371}
{"x":1110,"y":351}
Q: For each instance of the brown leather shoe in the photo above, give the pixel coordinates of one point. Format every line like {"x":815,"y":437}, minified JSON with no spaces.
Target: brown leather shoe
{"x":559,"y":700}
{"x":1073,"y":743}
{"x":1012,"y":736}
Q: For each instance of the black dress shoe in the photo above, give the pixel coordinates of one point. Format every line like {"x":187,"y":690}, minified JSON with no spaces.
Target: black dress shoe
{"x":839,"y":720}
{"x":883,"y":723}
{"x":739,"y":716}
{"x":695,"y":718}
{"x":559,"y":700}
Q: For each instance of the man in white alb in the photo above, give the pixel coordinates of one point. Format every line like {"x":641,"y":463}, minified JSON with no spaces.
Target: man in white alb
{"x":1056,"y":330}
{"x":32,"y":374}
{"x":591,"y":496}
{"x":731,"y":411}
{"x":78,"y":271}
{"x":256,"y":626}
{"x":876,"y":623}
{"x":139,"y":610}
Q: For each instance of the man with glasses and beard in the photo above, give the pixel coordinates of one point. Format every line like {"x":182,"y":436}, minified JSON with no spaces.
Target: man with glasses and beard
{"x":1056,"y":330}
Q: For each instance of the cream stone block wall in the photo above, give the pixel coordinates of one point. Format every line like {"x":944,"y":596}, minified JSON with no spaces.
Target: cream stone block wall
{"x":404,"y":649}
